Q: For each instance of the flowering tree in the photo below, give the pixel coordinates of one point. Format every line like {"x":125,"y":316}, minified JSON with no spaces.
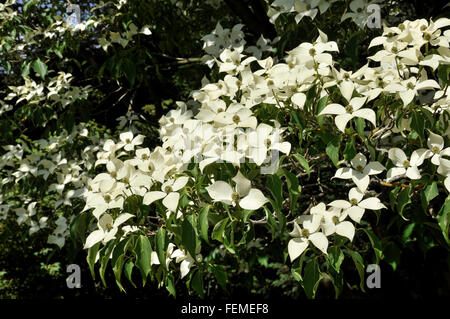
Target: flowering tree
{"x":276,"y":157}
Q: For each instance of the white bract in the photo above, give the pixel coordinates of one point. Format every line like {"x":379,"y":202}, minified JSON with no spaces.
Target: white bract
{"x":403,"y":165}
{"x":360,"y":171}
{"x":242,"y":194}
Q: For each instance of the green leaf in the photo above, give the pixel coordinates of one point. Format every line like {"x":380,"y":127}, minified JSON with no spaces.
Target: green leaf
{"x":360,"y":126}
{"x":429,"y":193}
{"x":404,"y":199}
{"x":271,"y":222}
{"x":104,"y":257}
{"x":170,"y":284}
{"x":25,"y":69}
{"x":203,"y":222}
{"x":220,"y":274}
{"x":320,"y":106}
{"x":335,"y":258}
{"x":359,"y":264}
{"x":117,"y":260}
{"x":143,"y":252}
{"x":219,"y":229}
{"x":197,"y":283}
{"x":418,"y":124}
{"x":391,"y":254}
{"x":332,"y":149}
{"x":40,"y":68}
{"x":293,"y":188}
{"x":407,"y":233}
{"x":350,"y":150}
{"x":303,"y":162}
{"x":79,"y":226}
{"x":275,"y":186}
{"x":162,"y":242}
{"x":188,"y":237}
{"x":128,"y":270}
{"x":27,"y":5}
{"x":129,"y":69}
{"x":91,"y":256}
{"x":311,"y":278}
{"x":376,"y":244}
{"x":443,"y":219}
{"x":444,"y":73}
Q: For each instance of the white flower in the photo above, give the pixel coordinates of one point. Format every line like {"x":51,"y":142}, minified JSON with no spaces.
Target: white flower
{"x":24,"y":215}
{"x":405,"y":166}
{"x":309,"y":233}
{"x":36,"y":226}
{"x":4,"y":211}
{"x":332,"y":221}
{"x":185,"y":259}
{"x":169,"y":191}
{"x":129,"y":142}
{"x":60,"y":232}
{"x":360,"y":171}
{"x":409,"y":88}
{"x":436,"y":148}
{"x":265,"y":139}
{"x":108,"y":229}
{"x":353,"y":108}
{"x":356,"y":206}
{"x":444,"y":169}
{"x":247,"y":197}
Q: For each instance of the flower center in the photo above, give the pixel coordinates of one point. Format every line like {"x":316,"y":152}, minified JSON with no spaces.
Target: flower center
{"x":268,"y":142}
{"x":144,"y":156}
{"x":270,"y":82}
{"x":359,"y":168}
{"x":353,"y":201}
{"x":410,"y":85}
{"x":235,"y":196}
{"x":312,"y":52}
{"x":219,"y":110}
{"x":436,"y":150}
{"x":108,"y":226}
{"x":113,"y":174}
{"x":236,"y":119}
{"x":349,"y":108}
{"x":168,"y":189}
{"x":126,"y":180}
{"x":305,"y":233}
{"x":401,"y":26}
{"x":427,"y":36}
{"x":335,"y":219}
{"x":107,"y":198}
{"x":346,"y":76}
{"x":406,"y":164}
{"x":172,"y":120}
{"x":394,"y":50}
{"x":128,"y":141}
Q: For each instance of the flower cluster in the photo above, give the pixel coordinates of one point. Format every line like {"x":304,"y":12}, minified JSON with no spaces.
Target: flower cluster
{"x":54,"y":164}
{"x":221,"y":39}
{"x":221,"y":125}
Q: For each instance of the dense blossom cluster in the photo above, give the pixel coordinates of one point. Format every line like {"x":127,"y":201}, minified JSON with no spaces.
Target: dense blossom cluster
{"x":62,"y":170}
{"x":220,"y":126}
{"x":223,"y":125}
